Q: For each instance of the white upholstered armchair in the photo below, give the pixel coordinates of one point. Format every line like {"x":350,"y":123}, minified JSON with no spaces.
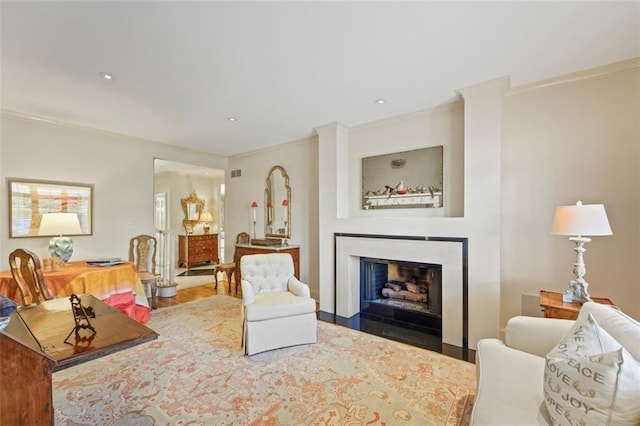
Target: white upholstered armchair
{"x":277,"y":308}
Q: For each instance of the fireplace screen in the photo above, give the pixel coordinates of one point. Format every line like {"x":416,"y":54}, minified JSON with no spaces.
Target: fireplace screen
{"x":404,"y":291}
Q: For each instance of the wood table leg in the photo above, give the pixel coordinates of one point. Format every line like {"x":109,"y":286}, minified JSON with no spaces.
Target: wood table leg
{"x":229,"y":272}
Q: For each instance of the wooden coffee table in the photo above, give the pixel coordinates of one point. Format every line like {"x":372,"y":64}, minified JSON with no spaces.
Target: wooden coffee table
{"x":33,"y":346}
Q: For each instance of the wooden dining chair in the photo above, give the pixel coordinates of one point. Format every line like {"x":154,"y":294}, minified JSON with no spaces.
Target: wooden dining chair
{"x":142,"y":252}
{"x":230,"y":267}
{"x":27,"y":273}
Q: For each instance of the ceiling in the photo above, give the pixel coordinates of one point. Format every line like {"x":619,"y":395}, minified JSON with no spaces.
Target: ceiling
{"x":283,"y":68}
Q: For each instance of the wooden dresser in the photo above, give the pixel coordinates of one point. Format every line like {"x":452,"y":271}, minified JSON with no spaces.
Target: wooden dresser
{"x":194,"y":249}
{"x":245,"y":249}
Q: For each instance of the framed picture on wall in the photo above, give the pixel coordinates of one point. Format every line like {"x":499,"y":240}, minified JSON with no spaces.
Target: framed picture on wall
{"x":30,"y":200}
{"x":405,"y":179}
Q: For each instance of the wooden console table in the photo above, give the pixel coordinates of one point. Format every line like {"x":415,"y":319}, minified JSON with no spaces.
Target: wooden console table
{"x":33,"y":346}
{"x":194,"y":249}
{"x":245,"y":249}
{"x":554,"y":307}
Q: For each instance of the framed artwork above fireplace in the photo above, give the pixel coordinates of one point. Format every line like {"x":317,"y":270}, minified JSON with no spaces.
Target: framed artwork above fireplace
{"x":407,"y":179}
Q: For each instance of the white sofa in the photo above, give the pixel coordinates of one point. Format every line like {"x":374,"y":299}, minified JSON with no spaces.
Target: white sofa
{"x":510,"y":373}
{"x":278,"y":310}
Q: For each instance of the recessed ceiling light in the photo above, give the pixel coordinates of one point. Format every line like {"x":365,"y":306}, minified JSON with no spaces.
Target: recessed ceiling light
{"x":107,"y":76}
{"x":232,"y":119}
{"x":380,"y":101}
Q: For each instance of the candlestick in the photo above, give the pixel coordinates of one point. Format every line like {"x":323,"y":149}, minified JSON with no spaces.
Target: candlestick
{"x":285,"y":207}
{"x":254,"y":207}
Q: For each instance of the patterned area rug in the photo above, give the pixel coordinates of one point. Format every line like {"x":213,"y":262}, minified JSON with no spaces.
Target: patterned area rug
{"x":195,"y":374}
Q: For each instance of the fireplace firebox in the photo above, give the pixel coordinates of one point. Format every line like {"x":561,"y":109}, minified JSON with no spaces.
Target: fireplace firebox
{"x":406,"y":294}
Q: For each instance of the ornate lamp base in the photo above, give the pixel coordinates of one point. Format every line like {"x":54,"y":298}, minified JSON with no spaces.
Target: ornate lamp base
{"x":577,"y":292}
{"x":61,"y":247}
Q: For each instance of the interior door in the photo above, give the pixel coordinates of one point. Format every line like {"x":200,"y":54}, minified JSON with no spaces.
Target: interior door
{"x":161,"y":218}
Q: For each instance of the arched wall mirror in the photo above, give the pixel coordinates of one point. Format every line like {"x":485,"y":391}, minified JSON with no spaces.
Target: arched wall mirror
{"x":277,"y":202}
{"x":192,"y":208}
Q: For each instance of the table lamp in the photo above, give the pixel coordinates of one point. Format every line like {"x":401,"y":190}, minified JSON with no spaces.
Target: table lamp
{"x":580,"y":221}
{"x":60,"y":224}
{"x":206,"y":218}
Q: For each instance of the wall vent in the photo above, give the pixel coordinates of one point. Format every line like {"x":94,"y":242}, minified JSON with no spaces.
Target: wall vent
{"x":236,"y":173}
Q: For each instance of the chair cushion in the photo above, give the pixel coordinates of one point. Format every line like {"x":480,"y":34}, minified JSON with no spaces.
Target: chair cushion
{"x":146,"y":276}
{"x":278,"y":305}
{"x":509,"y":387}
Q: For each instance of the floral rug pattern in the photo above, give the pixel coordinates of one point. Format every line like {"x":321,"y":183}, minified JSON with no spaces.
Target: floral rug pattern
{"x":196,"y":374}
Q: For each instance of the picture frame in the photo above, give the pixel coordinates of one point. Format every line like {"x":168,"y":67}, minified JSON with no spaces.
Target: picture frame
{"x":29,"y":199}
{"x":407,"y":179}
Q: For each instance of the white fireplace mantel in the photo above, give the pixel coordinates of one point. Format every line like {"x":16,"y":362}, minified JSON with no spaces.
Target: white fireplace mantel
{"x":448,"y":253}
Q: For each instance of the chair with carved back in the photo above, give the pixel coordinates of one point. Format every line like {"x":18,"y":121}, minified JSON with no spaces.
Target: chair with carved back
{"x":142,"y":252}
{"x":230,"y":267}
{"x":27,"y":273}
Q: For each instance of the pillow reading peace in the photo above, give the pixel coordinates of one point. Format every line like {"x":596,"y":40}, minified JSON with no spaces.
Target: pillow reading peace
{"x":589,"y":378}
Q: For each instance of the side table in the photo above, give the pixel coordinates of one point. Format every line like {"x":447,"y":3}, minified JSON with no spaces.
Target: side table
{"x":554,"y":307}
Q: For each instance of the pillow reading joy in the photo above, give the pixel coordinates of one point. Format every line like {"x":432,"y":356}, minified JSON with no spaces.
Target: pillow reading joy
{"x":590,"y":378}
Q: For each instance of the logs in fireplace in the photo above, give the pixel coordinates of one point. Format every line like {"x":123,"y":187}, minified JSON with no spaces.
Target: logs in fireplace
{"x":405,"y":293}
{"x":415,"y":291}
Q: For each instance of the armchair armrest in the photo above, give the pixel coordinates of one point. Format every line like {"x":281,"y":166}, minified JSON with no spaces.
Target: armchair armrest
{"x":298,"y":288}
{"x":535,"y":335}
{"x":248,"y":297}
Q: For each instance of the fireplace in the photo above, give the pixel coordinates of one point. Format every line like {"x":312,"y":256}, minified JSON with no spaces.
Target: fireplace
{"x":448,"y":255}
{"x":406,"y":294}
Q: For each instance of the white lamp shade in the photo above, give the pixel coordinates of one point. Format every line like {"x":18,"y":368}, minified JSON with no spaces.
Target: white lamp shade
{"x":206,"y":217}
{"x":581,"y":220}
{"x":59,"y":224}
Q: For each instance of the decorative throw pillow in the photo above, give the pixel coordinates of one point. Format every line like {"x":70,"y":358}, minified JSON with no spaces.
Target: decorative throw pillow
{"x":591,"y":379}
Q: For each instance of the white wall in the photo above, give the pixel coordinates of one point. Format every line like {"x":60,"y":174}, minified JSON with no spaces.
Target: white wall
{"x":299,"y":161}
{"x":119,"y":167}
{"x":573,"y":138}
{"x":433,"y":127}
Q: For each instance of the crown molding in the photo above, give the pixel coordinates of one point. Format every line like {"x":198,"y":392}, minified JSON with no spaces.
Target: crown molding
{"x":66,"y":125}
{"x":11,"y":114}
{"x":598,"y":72}
{"x":450,"y":105}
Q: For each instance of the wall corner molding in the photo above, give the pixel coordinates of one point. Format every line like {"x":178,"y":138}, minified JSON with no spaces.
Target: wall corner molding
{"x":500,"y":84}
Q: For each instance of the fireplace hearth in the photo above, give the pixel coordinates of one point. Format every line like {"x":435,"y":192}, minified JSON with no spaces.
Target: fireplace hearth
{"x":405,"y":294}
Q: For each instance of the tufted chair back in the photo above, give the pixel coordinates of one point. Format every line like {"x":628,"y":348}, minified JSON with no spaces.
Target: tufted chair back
{"x":267,"y":273}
